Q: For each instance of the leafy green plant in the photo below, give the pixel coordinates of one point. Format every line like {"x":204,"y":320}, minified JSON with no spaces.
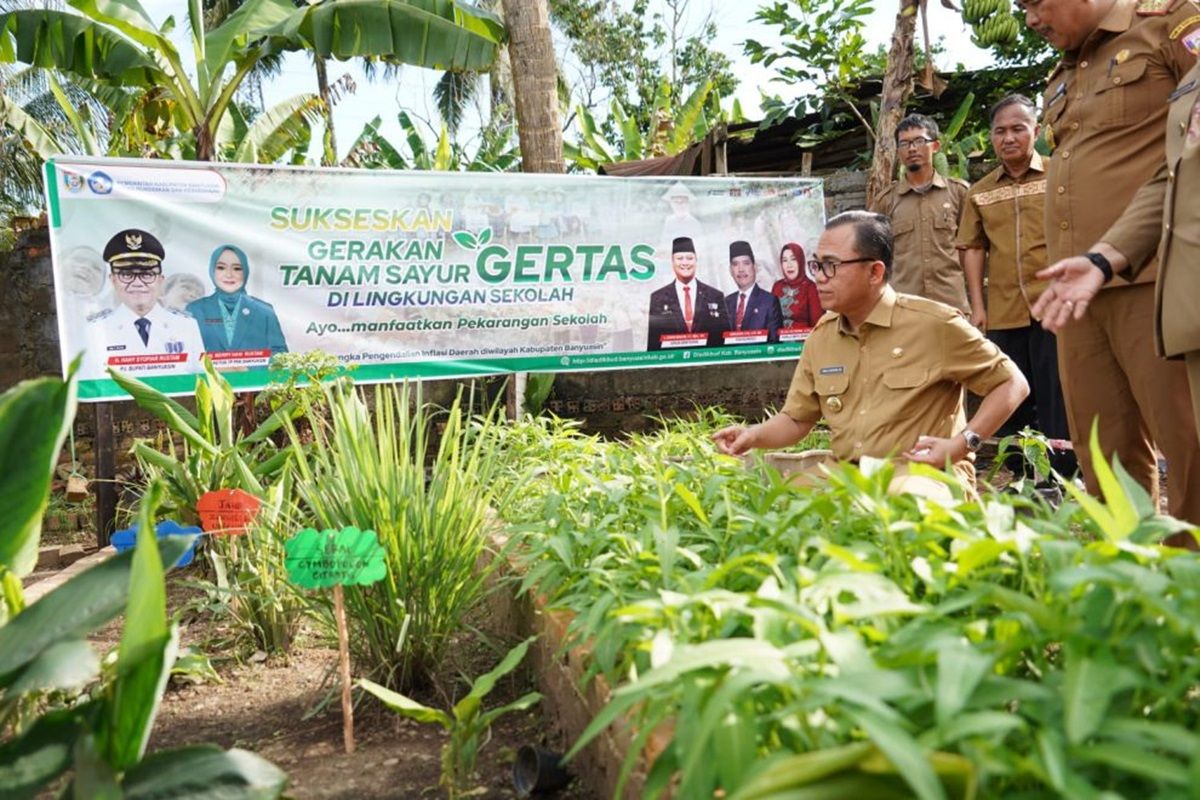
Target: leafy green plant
{"x":187,"y":110}
{"x":673,"y":127}
{"x":958,"y":147}
{"x":214,"y":453}
{"x":35,"y":417}
{"x":250,"y":584}
{"x":537,"y":390}
{"x":300,"y":375}
{"x":467,"y":722}
{"x":848,"y":642}
{"x":45,"y":659}
{"x":495,"y":152}
{"x":376,"y":466}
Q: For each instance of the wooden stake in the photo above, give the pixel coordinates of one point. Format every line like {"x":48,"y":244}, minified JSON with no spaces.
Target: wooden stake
{"x":339,"y":613}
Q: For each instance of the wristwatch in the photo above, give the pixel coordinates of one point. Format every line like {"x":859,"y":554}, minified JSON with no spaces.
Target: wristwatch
{"x":1101,"y":263}
{"x":974,"y":440}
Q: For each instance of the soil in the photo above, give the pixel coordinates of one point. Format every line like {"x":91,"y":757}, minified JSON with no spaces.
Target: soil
{"x":287,"y":709}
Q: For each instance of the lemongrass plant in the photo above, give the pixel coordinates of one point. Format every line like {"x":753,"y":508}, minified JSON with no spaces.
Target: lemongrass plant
{"x":378,"y":466}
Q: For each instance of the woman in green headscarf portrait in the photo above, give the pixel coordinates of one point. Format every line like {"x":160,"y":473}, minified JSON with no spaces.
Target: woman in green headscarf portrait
{"x":229,"y":318}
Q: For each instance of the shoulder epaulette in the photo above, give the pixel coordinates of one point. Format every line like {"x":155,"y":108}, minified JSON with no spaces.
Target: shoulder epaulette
{"x":827,"y":317}
{"x":926,"y":306}
{"x":99,"y":315}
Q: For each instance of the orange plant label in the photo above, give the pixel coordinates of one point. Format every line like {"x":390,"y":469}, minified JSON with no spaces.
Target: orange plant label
{"x":227,"y":511}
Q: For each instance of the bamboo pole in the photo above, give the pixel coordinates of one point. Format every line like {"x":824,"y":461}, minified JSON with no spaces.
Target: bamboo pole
{"x":339,"y":613}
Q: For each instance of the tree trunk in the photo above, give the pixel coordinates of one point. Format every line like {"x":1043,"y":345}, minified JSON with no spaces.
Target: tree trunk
{"x":535,"y":78}
{"x":897,"y":87}
{"x":329,"y":155}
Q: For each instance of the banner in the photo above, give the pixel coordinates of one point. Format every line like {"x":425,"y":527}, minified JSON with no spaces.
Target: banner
{"x":420,"y":274}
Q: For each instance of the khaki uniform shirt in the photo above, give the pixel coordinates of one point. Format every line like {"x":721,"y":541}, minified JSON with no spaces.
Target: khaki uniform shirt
{"x":925,"y":261}
{"x":900,"y":376}
{"x":1104,"y":113}
{"x":1167,"y":213}
{"x":1004,"y":216}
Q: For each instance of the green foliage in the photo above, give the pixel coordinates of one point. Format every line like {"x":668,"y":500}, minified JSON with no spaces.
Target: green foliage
{"x":953,"y":159}
{"x":214,"y":453}
{"x":820,"y":50}
{"x":296,"y":378}
{"x":496,"y":151}
{"x":846,"y":642}
{"x":673,"y":128}
{"x":181,"y":111}
{"x":537,"y":390}
{"x":377,"y":466}
{"x":35,"y":417}
{"x":250,"y":583}
{"x":628,"y":53}
{"x":467,"y":723}
{"x":101,"y":736}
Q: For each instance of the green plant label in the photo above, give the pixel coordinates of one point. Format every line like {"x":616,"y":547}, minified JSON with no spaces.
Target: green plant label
{"x":319,"y":559}
{"x":227,"y":511}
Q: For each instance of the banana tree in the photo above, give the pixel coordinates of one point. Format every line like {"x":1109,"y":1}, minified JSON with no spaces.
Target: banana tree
{"x":372,"y":150}
{"x":115,"y":42}
{"x":674,"y":128}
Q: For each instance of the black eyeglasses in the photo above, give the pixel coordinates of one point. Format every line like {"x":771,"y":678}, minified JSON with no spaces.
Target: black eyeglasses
{"x":829,"y":266}
{"x":909,"y":144}
{"x":144,"y":276}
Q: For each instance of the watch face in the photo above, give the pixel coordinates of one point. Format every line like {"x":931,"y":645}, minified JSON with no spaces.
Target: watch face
{"x":973,"y":440}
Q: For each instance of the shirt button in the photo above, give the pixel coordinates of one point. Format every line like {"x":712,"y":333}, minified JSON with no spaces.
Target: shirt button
{"x":1171,"y":174}
{"x":1117,"y":79}
{"x":858,"y":445}
{"x":1083,"y":65}
{"x":1066,"y":154}
{"x":1063,"y":225}
{"x":1074,"y":126}
{"x":1062,"y":189}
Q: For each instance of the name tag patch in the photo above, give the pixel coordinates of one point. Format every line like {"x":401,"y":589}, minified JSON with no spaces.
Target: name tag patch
{"x":832,"y":370}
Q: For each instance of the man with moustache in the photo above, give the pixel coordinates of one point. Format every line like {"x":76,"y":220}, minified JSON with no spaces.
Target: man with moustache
{"x":1105,"y":110}
{"x":1002,"y":231}
{"x":750,"y":308}
{"x":686,"y":310}
{"x":886,"y":370}
{"x":139,"y":335}
{"x":924,"y":209}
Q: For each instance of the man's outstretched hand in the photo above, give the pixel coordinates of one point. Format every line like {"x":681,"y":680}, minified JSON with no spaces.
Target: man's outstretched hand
{"x":1074,"y":282}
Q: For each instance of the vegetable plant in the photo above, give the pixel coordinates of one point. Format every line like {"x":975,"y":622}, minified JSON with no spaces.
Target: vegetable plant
{"x":467,"y":722}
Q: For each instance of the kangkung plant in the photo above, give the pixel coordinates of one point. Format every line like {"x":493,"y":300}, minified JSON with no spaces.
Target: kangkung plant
{"x":845,"y":642}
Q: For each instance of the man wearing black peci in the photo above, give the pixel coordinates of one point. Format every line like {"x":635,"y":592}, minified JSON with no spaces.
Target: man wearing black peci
{"x":686,"y":312}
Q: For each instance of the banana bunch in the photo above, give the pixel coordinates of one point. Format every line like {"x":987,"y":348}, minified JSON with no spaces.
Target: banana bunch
{"x":992,"y":22}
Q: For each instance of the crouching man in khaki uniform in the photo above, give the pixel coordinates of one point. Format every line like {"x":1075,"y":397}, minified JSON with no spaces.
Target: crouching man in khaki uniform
{"x":886,"y":370}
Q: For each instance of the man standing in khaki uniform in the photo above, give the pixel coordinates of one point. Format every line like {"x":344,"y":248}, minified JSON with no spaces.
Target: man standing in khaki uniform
{"x":924,"y":209}
{"x":1175,"y":229}
{"x":1002,"y":228}
{"x":886,"y":370}
{"x":1105,"y":110}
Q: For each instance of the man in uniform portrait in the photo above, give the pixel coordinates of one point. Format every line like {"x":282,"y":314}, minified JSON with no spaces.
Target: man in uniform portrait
{"x":1105,"y":111}
{"x":886,"y":370}
{"x":924,"y":208}
{"x":1002,"y":233}
{"x":686,"y":312}
{"x":752,"y":309}
{"x":139,"y":335}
